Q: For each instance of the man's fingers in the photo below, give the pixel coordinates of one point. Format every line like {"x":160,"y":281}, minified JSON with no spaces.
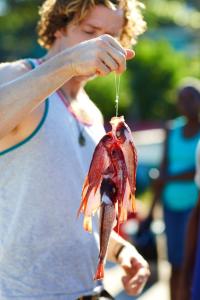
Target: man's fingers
{"x":135,"y":263}
{"x":130,"y":270}
{"x":115,"y":43}
{"x":109,"y":61}
{"x":134,"y":285}
{"x":129,"y":54}
{"x":136,"y":276}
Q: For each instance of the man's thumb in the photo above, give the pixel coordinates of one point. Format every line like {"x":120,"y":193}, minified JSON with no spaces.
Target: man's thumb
{"x":129,"y":54}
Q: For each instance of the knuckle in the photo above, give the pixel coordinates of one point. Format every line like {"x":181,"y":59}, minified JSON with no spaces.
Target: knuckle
{"x":101,"y":43}
{"x":106,"y":36}
{"x":115,"y":66}
{"x":122,"y":58}
{"x":104,"y":70}
{"x":121,"y":62}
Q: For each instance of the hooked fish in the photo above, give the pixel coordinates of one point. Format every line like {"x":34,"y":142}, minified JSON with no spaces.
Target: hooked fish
{"x":110,"y":184}
{"x":107,"y":218}
{"x":124,"y":137}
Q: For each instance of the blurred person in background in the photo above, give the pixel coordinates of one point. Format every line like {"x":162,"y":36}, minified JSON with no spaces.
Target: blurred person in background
{"x":175,"y":185}
{"x":49,"y":129}
{"x":189,"y":283}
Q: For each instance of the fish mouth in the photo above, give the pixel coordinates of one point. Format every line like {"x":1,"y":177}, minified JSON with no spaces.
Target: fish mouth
{"x":116,"y":120}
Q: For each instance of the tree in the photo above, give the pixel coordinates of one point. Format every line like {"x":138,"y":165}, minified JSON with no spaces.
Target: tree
{"x":18,"y":29}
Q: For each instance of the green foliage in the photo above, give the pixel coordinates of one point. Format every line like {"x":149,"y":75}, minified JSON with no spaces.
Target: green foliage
{"x":155,"y":73}
{"x":102,"y":91}
{"x":148,"y":87}
{"x":18,"y":29}
{"x":173,"y":12}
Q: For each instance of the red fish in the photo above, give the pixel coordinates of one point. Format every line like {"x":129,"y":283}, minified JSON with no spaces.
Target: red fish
{"x":118,"y":173}
{"x":107,"y":219}
{"x":124,"y":137}
{"x":110,"y":184}
{"x":91,"y":199}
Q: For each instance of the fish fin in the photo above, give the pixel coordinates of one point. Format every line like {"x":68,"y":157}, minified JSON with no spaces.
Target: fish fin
{"x":85,"y":187}
{"x":84,"y":198}
{"x":82,"y":207}
{"x":87,"y":223}
{"x":100,"y":271}
{"x":87,"y":194}
{"x":126,"y":197}
{"x":118,"y":225}
{"x":123,"y":215}
{"x":132,"y":207}
{"x":93,"y":201}
{"x":130,"y":156}
{"x":99,"y":163}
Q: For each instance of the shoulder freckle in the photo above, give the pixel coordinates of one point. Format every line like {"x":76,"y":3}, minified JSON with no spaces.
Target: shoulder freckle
{"x":15,"y":130}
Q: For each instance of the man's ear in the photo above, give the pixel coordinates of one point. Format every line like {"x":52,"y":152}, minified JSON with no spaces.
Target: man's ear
{"x":59,"y":33}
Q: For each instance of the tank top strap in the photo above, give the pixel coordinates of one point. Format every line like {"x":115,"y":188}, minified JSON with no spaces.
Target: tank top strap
{"x":32,"y":62}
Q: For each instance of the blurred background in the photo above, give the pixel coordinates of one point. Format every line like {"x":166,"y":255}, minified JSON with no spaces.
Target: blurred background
{"x":166,"y":53}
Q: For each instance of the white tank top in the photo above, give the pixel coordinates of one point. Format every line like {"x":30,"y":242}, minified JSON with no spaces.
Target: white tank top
{"x":44,"y":251}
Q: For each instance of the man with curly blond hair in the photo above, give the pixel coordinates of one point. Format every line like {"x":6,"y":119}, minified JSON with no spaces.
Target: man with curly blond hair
{"x":48,"y":131}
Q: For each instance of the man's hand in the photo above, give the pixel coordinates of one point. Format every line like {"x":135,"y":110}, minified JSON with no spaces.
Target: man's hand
{"x":136,"y":268}
{"x":98,"y":56}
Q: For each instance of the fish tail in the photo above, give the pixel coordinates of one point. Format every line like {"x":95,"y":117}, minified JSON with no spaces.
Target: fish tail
{"x":100,"y":271}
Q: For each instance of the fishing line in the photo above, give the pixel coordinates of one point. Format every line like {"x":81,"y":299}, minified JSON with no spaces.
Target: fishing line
{"x":117,"y":87}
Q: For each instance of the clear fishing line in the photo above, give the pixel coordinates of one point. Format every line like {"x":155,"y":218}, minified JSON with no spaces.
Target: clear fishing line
{"x":117,"y":87}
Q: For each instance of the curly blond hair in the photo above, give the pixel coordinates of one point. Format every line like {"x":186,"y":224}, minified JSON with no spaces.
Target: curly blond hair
{"x":56,"y":14}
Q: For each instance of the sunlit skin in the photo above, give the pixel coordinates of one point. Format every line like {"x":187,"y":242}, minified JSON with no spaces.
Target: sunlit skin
{"x":101,"y":20}
{"x":70,"y":64}
{"x":68,"y":69}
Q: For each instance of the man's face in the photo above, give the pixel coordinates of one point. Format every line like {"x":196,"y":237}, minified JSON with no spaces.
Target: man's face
{"x":101,"y":20}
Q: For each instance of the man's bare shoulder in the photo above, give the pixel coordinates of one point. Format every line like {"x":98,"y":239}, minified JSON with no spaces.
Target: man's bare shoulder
{"x":11,"y":70}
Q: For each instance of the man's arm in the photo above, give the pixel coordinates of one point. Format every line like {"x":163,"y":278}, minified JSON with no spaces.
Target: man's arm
{"x":20,"y":96}
{"x":136,"y":268}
